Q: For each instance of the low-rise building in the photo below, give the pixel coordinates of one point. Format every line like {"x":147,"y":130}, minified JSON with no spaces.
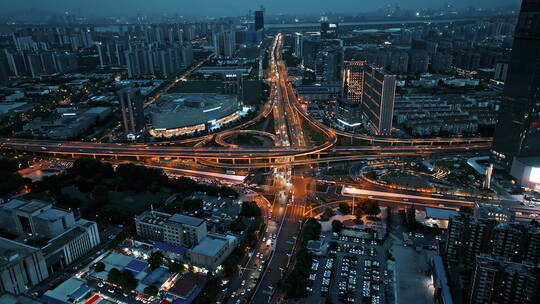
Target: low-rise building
{"x":212,"y":251}
{"x":21,"y":266}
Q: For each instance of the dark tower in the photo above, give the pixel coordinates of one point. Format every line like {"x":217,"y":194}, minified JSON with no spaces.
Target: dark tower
{"x":518,"y":131}
{"x":259,"y":20}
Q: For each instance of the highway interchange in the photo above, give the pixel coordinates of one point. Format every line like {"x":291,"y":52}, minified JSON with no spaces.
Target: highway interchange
{"x":289,"y":161}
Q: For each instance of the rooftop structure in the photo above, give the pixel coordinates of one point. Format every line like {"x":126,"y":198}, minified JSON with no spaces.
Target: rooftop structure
{"x":177,"y":114}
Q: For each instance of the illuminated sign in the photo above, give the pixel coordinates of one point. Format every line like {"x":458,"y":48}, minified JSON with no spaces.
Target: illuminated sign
{"x":535,"y":175}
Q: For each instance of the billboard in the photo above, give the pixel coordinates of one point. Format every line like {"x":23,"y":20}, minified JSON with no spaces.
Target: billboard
{"x":534,"y":177}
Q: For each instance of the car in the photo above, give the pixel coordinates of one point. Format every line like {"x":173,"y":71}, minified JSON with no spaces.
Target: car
{"x":100,"y":284}
{"x":243,"y":283}
{"x":111,"y":290}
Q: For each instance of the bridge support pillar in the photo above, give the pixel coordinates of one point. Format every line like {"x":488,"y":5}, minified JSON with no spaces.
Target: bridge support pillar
{"x":138,"y":157}
{"x":249,"y":161}
{"x":217,"y":160}
{"x":93,"y":156}
{"x":233,"y":161}
{"x":72,"y":155}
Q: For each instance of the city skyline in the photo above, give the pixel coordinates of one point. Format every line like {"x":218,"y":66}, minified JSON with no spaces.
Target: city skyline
{"x":216,"y":8}
{"x":355,"y":157}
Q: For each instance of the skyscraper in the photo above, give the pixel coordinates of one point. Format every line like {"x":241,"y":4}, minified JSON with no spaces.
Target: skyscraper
{"x":518,"y":131}
{"x":353,"y":80}
{"x":378,"y":99}
{"x":132,"y":106}
{"x":259,"y":20}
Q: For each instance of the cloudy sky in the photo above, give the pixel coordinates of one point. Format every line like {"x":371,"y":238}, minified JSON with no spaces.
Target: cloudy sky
{"x":230,"y":7}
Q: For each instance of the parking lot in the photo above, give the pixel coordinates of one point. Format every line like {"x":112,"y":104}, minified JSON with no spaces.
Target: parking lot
{"x":354,"y":273}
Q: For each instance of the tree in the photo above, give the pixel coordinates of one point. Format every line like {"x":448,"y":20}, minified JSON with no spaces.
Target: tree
{"x":250,"y":209}
{"x":100,"y":267}
{"x":155,"y":260}
{"x":337,"y":226}
{"x":151,"y":290}
{"x":466,"y":209}
{"x":177,"y":267}
{"x":372,"y":208}
{"x":100,"y":194}
{"x":344,"y":208}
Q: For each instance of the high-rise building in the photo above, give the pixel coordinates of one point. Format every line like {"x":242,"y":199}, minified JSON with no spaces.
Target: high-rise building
{"x":132,"y":106}
{"x":490,"y":232}
{"x":518,"y":131}
{"x":468,"y":236}
{"x":298,"y":45}
{"x":399,"y":63}
{"x":259,"y":20}
{"x":330,"y":65}
{"x":496,"y":280}
{"x":501,"y":70}
{"x":353,"y":80}
{"x":378,"y":99}
{"x":329,"y":30}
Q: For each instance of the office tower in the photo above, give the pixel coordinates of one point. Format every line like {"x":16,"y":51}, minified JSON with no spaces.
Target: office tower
{"x":259,"y":20}
{"x":132,"y":106}
{"x":518,"y":131}
{"x":353,"y":80}
{"x":496,"y":280}
{"x":399,"y":63}
{"x":378,"y":99}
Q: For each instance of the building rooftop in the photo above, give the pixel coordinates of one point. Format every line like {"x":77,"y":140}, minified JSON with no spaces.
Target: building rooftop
{"x":61,"y":240}
{"x":177,"y":110}
{"x":442,"y":214}
{"x":210,"y":245}
{"x":187,"y":285}
{"x":67,"y":292}
{"x":53,"y":214}
{"x":26,"y":206}
{"x":186,"y":220}
{"x":12,"y":251}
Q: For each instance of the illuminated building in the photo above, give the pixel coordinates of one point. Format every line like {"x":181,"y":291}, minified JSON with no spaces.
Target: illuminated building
{"x":178,"y":114}
{"x":353,"y":80}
